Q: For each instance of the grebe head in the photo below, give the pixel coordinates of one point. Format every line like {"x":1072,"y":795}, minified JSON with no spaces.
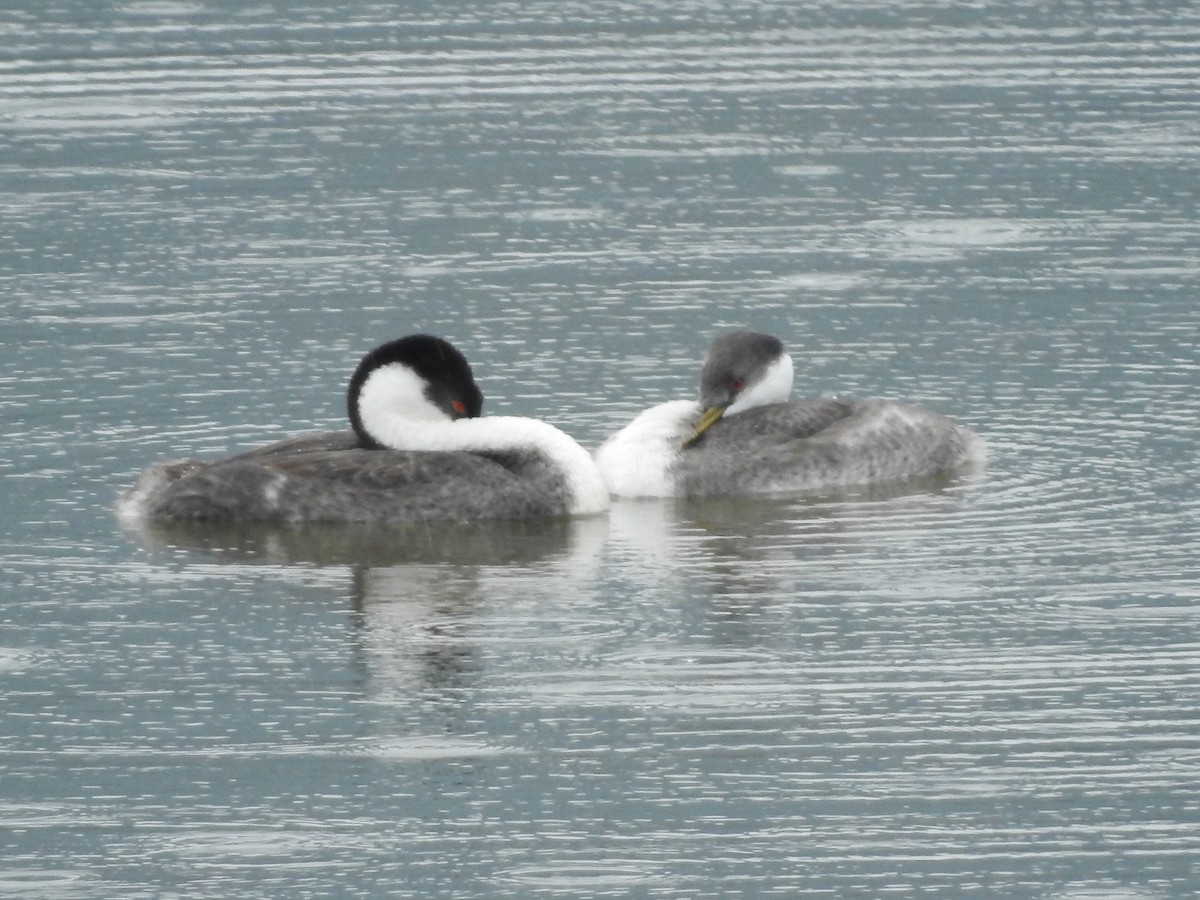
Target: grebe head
{"x":743,"y":369}
{"x":416,"y":378}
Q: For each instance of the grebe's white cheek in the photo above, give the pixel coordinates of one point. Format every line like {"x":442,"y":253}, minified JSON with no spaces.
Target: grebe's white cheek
{"x":774,"y":387}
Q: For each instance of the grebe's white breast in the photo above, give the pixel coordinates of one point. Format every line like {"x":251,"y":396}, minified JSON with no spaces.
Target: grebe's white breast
{"x":416,"y":451}
{"x":745,"y":436}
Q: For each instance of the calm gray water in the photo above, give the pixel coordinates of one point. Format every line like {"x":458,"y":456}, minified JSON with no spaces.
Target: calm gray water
{"x":980,"y":688}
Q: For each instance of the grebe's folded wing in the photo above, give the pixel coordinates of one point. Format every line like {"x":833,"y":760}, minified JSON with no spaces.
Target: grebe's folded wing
{"x":814,"y":444}
{"x":393,"y":470}
{"x":778,"y":424}
{"x":304,"y":443}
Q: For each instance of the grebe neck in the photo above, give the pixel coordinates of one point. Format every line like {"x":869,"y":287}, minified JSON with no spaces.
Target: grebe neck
{"x":502,"y":434}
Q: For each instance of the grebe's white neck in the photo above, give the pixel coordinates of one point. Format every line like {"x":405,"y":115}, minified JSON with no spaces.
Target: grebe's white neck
{"x":500,"y":434}
{"x":395,"y":412}
{"x":391,"y":392}
{"x":638,"y":461}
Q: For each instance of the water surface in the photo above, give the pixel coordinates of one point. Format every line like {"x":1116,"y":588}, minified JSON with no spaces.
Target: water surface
{"x":969,"y":688}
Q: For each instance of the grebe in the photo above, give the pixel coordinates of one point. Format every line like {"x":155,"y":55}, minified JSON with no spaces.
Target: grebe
{"x":745,"y":436}
{"x":417,"y":450}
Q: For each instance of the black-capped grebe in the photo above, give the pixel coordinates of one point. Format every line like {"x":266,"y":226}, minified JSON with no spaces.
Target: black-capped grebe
{"x":417,"y":450}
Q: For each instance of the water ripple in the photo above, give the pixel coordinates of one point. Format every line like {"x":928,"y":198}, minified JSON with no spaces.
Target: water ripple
{"x":973,"y":686}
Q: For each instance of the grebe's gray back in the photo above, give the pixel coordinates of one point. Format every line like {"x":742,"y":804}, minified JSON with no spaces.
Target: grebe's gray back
{"x":417,"y":451}
{"x":746,"y":436}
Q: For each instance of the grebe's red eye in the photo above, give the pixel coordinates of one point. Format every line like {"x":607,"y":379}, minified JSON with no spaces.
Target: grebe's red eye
{"x":459,"y":407}
{"x":737,"y":385}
